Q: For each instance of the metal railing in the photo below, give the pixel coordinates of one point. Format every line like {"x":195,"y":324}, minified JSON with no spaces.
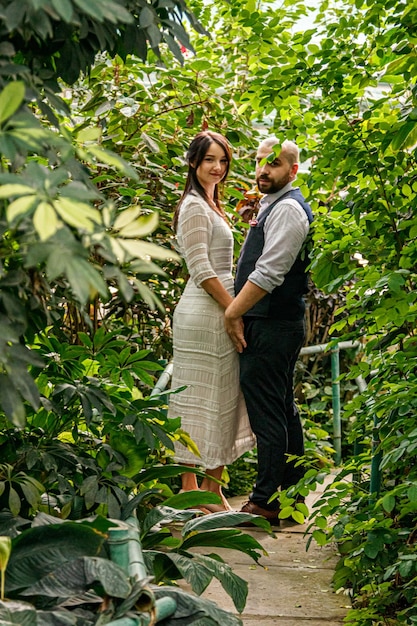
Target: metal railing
{"x":335,"y":349}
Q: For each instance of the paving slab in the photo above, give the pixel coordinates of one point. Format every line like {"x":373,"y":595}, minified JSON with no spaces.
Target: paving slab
{"x":284,"y":592}
{"x":291,"y":586}
{"x":285,"y":621}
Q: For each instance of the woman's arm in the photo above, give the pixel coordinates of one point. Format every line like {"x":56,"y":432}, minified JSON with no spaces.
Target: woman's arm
{"x":196,"y":232}
{"x":215,"y":289}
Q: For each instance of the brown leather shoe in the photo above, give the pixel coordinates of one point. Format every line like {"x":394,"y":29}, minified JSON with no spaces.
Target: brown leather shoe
{"x":255,"y":509}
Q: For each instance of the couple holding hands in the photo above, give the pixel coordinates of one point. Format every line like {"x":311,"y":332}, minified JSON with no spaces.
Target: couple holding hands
{"x":236,"y":341}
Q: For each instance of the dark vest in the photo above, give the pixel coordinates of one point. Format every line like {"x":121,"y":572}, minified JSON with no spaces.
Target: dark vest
{"x":286,"y":302}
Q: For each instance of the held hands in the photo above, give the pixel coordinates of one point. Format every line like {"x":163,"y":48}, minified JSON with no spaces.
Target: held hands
{"x":235,"y":330}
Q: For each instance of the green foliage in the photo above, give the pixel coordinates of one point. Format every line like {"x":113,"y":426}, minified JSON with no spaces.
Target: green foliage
{"x":82,"y":175}
{"x":45,"y":35}
{"x":85,"y":447}
{"x":348,"y":99}
{"x":241,"y":475}
{"x":170,"y":555}
{"x":69,"y":574}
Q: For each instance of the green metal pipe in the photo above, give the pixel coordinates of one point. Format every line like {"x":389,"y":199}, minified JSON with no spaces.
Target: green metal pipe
{"x":376,"y":458}
{"x":126,"y":550}
{"x":166,"y":375}
{"x":358,"y":445}
{"x":164,"y":607}
{"x":323,"y":347}
{"x":163,"y":380}
{"x":375,"y":478}
{"x":337,"y":422}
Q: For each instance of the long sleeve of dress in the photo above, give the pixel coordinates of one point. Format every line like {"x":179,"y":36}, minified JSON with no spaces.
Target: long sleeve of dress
{"x":195,"y":230}
{"x":206,"y":365}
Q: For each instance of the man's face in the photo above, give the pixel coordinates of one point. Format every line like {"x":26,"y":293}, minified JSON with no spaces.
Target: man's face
{"x":273,"y":176}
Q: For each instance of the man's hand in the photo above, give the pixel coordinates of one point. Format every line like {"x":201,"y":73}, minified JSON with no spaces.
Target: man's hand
{"x":245,"y":300}
{"x":235,"y":330}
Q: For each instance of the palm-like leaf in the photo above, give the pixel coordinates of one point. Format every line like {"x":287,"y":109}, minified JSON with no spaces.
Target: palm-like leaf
{"x":199,"y":571}
{"x":189,"y":499}
{"x":234,"y":585}
{"x":79,"y":575}
{"x":230,"y":538}
{"x":222,"y":519}
{"x":195,"y":610}
{"x":21,"y":613}
{"x":164,"y":514}
{"x":41,"y":550}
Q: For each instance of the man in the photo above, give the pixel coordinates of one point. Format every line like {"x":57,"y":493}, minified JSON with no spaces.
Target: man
{"x":266,"y":321}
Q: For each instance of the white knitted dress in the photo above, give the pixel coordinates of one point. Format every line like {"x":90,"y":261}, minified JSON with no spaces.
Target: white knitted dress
{"x":212,"y":407}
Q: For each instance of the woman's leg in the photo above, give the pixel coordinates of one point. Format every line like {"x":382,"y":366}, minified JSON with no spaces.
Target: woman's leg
{"x":189,"y":480}
{"x":208,"y":484}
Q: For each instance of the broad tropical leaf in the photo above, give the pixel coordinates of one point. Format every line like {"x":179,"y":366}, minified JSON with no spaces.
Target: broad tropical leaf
{"x":222,"y":519}
{"x":78,"y":575}
{"x":195,"y":610}
{"x":10,"y":99}
{"x":232,"y":539}
{"x":41,"y":550}
{"x":14,"y":613}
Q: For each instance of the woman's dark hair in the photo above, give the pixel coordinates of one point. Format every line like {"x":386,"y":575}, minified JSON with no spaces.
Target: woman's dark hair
{"x":195,"y":154}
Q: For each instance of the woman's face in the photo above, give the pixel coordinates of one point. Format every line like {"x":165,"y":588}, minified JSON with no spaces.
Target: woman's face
{"x":212,"y":168}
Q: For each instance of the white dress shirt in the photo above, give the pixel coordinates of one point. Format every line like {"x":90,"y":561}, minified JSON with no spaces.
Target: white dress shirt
{"x":285,"y":229}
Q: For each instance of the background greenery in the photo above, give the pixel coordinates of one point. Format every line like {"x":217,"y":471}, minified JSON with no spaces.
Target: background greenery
{"x":99,"y":102}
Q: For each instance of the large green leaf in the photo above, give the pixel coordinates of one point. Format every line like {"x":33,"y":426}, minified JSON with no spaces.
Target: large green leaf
{"x":45,"y":221}
{"x":60,"y":617}
{"x":24,"y":383}
{"x":169,"y":471}
{"x":327,"y":273}
{"x":164,"y":514}
{"x":13,"y":612}
{"x":78,"y":575}
{"x":38,"y":551}
{"x":140,"y":227}
{"x":11,"y":99}
{"x":405,"y":136}
{"x":111,"y":159}
{"x":193,"y":571}
{"x":78,"y":214}
{"x":144,"y":249}
{"x":189,"y":499}
{"x":63,"y":8}
{"x":11,"y":402}
{"x":21,"y":207}
{"x":86,"y":282}
{"x":195,"y":610}
{"x":199,"y":571}
{"x":232,"y":539}
{"x":234,"y":585}
{"x":15,"y":189}
{"x":222,"y":519}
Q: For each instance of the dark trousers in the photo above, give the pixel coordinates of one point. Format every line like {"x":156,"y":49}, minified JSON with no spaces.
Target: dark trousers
{"x":266,"y":376}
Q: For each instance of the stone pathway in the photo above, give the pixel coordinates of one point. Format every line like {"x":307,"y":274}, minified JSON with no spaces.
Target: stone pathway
{"x":292,"y":586}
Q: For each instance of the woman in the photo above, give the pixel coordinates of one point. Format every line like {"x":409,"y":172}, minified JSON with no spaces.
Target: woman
{"x":212,"y":408}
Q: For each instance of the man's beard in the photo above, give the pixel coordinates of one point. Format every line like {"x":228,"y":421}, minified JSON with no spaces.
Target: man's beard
{"x":271,"y":186}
